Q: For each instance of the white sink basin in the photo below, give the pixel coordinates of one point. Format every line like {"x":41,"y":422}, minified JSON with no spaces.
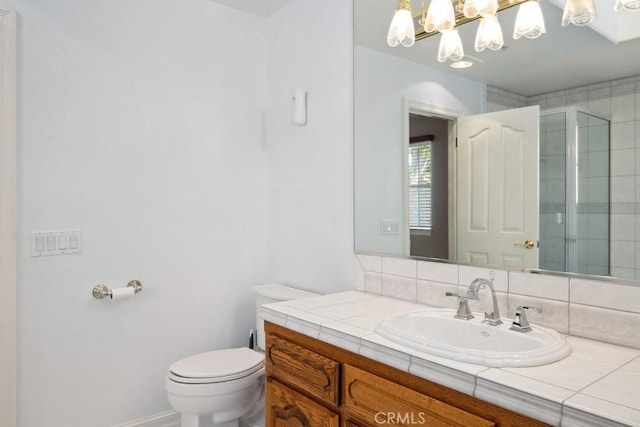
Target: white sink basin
{"x":437,"y":332}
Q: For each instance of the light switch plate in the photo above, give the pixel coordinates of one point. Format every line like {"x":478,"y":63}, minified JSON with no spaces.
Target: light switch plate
{"x":389,"y":227}
{"x":59,"y":242}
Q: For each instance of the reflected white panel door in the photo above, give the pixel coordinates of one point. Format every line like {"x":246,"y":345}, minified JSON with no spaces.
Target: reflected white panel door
{"x":498,"y":188}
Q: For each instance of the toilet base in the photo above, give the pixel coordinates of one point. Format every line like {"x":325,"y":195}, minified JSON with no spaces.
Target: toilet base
{"x":205,"y":421}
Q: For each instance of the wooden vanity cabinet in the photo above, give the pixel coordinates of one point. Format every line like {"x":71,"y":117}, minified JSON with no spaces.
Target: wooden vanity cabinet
{"x":310,"y":383}
{"x":289,"y":408}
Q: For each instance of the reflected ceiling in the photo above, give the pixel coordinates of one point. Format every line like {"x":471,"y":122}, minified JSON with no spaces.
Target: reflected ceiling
{"x":258,"y":7}
{"x":564,"y":57}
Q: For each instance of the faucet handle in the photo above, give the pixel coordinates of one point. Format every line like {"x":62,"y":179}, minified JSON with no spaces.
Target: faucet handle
{"x":520,"y":322}
{"x":464,"y":312}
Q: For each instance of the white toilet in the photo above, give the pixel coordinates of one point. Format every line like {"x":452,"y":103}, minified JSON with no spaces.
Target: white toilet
{"x":218,"y":388}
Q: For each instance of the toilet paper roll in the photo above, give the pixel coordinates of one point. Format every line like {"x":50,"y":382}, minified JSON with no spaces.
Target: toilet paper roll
{"x":120,"y":293}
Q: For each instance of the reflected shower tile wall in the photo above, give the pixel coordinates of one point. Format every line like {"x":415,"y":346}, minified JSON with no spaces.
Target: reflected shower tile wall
{"x":618,"y":100}
{"x":571,"y":305}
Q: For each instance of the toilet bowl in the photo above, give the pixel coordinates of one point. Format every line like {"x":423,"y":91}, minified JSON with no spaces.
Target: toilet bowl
{"x":219,"y":388}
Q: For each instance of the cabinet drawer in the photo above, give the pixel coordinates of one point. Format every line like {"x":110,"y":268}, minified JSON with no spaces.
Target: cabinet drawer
{"x":376,"y":401}
{"x":286,"y":407}
{"x":317,"y":375}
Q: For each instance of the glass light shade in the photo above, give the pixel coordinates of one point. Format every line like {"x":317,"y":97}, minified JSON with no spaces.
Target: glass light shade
{"x":401,"y":30}
{"x":440,"y":16}
{"x":450,"y":46}
{"x":489,"y":34}
{"x":529,"y":21}
{"x":578,"y":12}
{"x":473,"y":8}
{"x":630,"y":5}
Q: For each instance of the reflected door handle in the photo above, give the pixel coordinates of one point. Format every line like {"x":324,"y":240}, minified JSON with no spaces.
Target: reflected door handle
{"x":528,"y":244}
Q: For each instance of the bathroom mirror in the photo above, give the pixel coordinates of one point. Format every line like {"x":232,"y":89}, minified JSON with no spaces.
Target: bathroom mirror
{"x":410,"y":78}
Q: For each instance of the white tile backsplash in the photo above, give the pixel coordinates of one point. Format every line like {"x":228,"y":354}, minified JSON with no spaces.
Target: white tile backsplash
{"x":613,"y":326}
{"x":438,"y":272}
{"x":434,"y":293}
{"x":538,"y":285}
{"x":370,"y":262}
{"x":602,"y":310}
{"x":468,"y":273}
{"x":404,"y":288}
{"x":604,"y":294}
{"x":400,"y":266}
{"x":373,"y":282}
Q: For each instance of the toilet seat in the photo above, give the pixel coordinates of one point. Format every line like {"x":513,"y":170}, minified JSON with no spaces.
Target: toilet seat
{"x":217,"y":366}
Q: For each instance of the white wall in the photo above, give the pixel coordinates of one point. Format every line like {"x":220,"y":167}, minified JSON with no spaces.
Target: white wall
{"x":382,"y":83}
{"x":141,"y":125}
{"x":310,"y":168}
{"x":149,"y":126}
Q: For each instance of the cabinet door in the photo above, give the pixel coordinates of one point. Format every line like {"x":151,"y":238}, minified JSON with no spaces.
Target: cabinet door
{"x":317,"y":375}
{"x":288,"y":408}
{"x":377,"y":401}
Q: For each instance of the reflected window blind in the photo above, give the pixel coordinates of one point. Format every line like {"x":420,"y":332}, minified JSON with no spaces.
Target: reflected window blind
{"x":420,"y":185}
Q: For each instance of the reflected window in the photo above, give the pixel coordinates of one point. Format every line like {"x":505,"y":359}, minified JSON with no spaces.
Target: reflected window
{"x":420,"y":185}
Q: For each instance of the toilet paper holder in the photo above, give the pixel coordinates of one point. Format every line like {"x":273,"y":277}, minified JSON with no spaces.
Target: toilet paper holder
{"x":102,"y":291}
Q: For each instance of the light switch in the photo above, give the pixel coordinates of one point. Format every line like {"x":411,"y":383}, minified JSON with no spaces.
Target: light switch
{"x":73,"y":241}
{"x":62,"y":242}
{"x":52,"y":243}
{"x":39,"y":243}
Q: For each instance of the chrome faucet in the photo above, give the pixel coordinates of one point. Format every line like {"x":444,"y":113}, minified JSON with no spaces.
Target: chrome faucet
{"x":492,"y":318}
{"x":520,"y":322}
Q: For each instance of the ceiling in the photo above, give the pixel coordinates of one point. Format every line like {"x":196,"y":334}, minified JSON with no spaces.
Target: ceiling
{"x":257,"y":7}
{"x":564,"y":57}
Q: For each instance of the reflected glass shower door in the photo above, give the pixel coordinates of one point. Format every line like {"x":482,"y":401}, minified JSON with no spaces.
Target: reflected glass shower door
{"x":553,"y":185}
{"x":574,"y":192}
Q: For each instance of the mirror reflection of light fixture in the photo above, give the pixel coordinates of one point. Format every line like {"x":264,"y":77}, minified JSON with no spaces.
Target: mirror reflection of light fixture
{"x":450,"y":47}
{"x":529,"y":21}
{"x":489,"y":34}
{"x":630,"y":5}
{"x":443,"y":15}
{"x":475,"y":8}
{"x":440,"y":16}
{"x":578,"y":12}
{"x":402,"y":30}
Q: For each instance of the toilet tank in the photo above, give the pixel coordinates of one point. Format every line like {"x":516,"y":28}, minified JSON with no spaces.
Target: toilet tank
{"x":274,"y":292}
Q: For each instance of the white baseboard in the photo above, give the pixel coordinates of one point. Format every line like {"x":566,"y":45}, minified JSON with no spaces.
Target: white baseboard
{"x":163,"y":419}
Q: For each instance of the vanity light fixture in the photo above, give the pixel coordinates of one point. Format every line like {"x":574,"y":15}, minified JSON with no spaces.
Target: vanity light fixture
{"x":443,"y":16}
{"x":401,"y":30}
{"x":630,"y":5}
{"x":489,"y":34}
{"x":450,"y":46}
{"x":529,"y":21}
{"x":578,"y":12}
{"x":440,"y":16}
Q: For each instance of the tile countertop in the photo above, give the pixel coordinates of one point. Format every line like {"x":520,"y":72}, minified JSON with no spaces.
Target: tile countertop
{"x":597,"y":385}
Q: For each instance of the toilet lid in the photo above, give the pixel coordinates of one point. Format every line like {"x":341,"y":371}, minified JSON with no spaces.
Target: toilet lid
{"x":217,"y":366}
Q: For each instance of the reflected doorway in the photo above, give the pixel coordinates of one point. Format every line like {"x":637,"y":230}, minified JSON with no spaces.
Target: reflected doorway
{"x":428,"y":189}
